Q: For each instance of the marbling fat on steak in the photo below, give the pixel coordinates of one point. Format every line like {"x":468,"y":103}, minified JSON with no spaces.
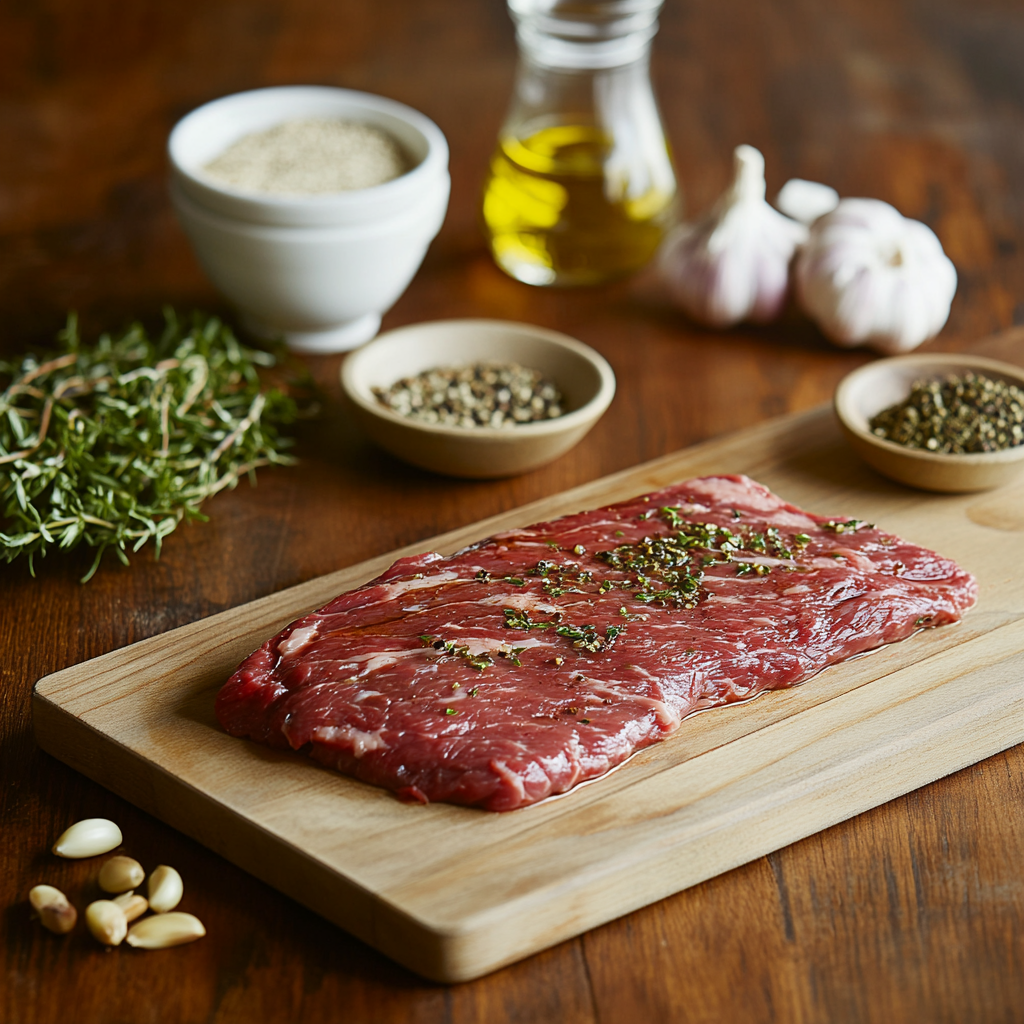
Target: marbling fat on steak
{"x":544,"y":656}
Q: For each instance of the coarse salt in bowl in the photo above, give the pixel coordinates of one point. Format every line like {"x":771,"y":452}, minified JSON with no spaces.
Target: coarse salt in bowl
{"x":318,"y":269}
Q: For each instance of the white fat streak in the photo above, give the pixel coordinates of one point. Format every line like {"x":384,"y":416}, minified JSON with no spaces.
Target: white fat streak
{"x":376,"y":660}
{"x":503,"y":771}
{"x":800,"y":588}
{"x":396,"y":589}
{"x":666,"y":714}
{"x":639,"y":669}
{"x":349,"y":736}
{"x":488,"y":645}
{"x":764,"y":560}
{"x":857,"y":560}
{"x":780,"y":517}
{"x":827,"y":563}
{"x":878,"y":595}
{"x":715,"y":597}
{"x":522,"y":602}
{"x":298,"y":640}
{"x":530,"y":537}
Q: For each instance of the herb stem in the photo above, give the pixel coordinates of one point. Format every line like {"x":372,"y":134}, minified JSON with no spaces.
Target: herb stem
{"x":114,"y":444}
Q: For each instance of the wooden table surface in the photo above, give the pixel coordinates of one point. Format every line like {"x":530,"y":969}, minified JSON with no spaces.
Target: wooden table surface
{"x":912,"y":912}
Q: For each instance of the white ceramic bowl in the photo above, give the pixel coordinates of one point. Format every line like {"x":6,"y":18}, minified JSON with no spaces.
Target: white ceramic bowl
{"x":582,"y":375}
{"x":318,"y":269}
{"x":863,"y":394}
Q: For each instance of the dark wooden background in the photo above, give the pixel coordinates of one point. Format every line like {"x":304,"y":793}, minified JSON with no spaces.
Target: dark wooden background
{"x":912,"y":912}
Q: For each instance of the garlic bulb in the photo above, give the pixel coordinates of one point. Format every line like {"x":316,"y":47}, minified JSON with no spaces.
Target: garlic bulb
{"x":734,"y":265}
{"x":806,"y":201}
{"x":868,"y":275}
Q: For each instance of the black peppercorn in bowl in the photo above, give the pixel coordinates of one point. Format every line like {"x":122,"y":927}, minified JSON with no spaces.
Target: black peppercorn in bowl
{"x":954,"y":409}
{"x":461,"y":440}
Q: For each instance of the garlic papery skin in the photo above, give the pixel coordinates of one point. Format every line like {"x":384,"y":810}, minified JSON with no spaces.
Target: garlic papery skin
{"x":734,"y":265}
{"x":870,"y":276}
{"x":806,"y":201}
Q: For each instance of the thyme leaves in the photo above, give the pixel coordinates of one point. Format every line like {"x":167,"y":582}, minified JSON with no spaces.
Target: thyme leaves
{"x":665,"y":571}
{"x":588,"y":639}
{"x":113,"y":445}
{"x":513,"y":656}
{"x":669,"y":569}
{"x":452,"y":648}
{"x":585,"y":637}
{"x":515,"y":618}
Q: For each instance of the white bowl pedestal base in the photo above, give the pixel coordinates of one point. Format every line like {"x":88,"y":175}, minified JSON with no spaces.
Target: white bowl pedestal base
{"x":341,"y":338}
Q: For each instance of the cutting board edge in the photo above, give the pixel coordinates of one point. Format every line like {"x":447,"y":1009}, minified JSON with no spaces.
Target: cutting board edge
{"x":452,"y":954}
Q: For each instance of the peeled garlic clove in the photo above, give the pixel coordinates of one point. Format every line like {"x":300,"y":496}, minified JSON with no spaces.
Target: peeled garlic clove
{"x":55,"y":912}
{"x":806,"y":201}
{"x":165,"y":889}
{"x":870,"y":276}
{"x":165,"y":930}
{"x":88,"y":838}
{"x":107,"y":922}
{"x":132,"y":905}
{"x":734,"y":265}
{"x":120,"y":874}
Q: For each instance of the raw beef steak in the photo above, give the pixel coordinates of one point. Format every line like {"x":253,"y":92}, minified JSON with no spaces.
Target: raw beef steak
{"x":544,"y":656}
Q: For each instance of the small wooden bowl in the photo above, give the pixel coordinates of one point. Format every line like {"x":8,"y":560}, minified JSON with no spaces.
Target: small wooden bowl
{"x":867,"y":391}
{"x":585,"y":379}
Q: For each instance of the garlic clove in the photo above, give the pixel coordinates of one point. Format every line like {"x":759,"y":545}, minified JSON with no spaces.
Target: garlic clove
{"x":88,"y":838}
{"x":734,"y":264}
{"x":132,"y":905}
{"x":107,"y":922}
{"x":165,"y":930}
{"x":165,"y":889}
{"x":55,"y":912}
{"x":120,"y":874}
{"x":806,"y":201}
{"x":870,"y":276}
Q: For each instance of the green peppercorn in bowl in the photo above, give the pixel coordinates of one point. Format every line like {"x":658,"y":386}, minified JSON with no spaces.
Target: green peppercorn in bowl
{"x":477,"y":398}
{"x":940,"y":422}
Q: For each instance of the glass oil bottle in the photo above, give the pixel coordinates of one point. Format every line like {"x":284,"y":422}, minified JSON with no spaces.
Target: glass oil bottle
{"x":581,"y":187}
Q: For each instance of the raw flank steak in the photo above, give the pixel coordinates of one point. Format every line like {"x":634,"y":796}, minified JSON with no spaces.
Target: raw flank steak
{"x":541,"y":657}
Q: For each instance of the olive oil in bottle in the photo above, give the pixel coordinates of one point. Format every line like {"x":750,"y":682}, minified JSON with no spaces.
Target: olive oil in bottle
{"x":556,"y":213}
{"x":581,"y":187}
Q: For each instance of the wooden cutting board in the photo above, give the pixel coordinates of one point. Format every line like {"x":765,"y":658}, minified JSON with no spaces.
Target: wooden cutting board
{"x":454,"y":893}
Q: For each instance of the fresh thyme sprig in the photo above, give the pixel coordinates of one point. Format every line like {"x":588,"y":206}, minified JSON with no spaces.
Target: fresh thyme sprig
{"x":113,"y":445}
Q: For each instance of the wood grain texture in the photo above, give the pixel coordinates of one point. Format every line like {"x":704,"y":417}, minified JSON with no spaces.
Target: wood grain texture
{"x":912,"y":911}
{"x":454,"y":893}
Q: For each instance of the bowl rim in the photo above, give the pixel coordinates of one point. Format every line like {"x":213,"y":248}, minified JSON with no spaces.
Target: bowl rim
{"x":593,"y":408}
{"x":435,"y":161}
{"x":942,"y":361}
{"x":403,"y":218}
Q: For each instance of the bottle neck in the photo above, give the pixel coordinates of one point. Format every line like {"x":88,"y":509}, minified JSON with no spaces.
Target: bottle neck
{"x":585,"y":34}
